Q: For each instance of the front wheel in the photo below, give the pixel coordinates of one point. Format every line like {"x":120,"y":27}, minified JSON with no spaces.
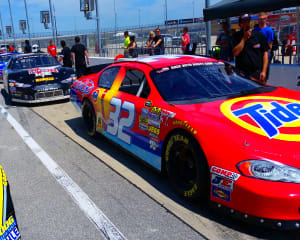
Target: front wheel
{"x":186,"y":166}
{"x":89,"y":118}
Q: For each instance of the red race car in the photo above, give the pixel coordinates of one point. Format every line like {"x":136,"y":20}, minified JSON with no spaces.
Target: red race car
{"x":216,"y":133}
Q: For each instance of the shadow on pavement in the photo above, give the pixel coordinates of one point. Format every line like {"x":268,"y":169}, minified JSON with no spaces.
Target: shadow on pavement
{"x":160,"y":182}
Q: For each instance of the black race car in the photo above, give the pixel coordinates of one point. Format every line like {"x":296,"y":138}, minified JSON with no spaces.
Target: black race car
{"x":33,"y":78}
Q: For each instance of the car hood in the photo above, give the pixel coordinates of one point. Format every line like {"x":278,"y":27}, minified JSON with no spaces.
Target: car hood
{"x":267,"y":125}
{"x":41,"y":75}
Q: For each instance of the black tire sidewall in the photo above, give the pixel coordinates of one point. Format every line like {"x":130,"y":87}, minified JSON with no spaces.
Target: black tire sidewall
{"x":199,"y":189}
{"x":87,"y":106}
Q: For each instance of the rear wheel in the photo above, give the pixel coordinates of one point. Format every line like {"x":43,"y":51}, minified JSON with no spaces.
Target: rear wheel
{"x":89,"y":118}
{"x":187,"y":167}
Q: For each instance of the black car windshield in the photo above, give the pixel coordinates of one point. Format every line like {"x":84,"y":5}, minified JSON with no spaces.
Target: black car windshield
{"x":203,"y":82}
{"x":5,"y":59}
{"x":27,"y":62}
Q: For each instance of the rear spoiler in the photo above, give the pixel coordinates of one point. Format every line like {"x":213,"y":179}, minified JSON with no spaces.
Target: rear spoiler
{"x":96,"y":68}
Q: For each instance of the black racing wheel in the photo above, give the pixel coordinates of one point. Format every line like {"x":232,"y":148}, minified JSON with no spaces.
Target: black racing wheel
{"x":186,"y":166}
{"x":89,"y":118}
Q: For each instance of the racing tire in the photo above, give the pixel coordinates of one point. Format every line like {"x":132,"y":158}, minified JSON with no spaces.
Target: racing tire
{"x":89,"y":118}
{"x":186,"y":167}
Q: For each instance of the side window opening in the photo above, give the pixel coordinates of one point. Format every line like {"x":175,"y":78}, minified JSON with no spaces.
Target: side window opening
{"x":134,"y":82}
{"x":107,"y":77}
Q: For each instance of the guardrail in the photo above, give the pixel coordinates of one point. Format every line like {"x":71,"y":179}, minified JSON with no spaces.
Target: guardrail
{"x":143,"y":51}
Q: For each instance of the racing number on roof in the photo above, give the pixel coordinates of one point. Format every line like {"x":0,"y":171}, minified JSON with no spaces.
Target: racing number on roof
{"x":117,"y":126}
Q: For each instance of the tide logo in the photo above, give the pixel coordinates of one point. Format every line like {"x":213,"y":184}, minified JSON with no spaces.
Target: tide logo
{"x":273,"y":117}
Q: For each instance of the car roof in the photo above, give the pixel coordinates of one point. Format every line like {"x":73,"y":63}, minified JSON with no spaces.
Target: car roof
{"x":32,"y":54}
{"x":161,"y":61}
{"x":7,"y":54}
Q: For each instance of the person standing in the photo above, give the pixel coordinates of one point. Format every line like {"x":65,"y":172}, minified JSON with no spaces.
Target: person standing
{"x":224,"y":40}
{"x":251,"y":51}
{"x":150,"y":42}
{"x":27,"y":48}
{"x":159,"y":47}
{"x":51,"y":49}
{"x":185,"y":39}
{"x":65,"y":55}
{"x":126,"y":43}
{"x":79,"y":52}
{"x":267,"y":31}
{"x":132,"y":47}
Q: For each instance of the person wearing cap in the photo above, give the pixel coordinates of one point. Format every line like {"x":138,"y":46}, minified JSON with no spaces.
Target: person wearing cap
{"x":251,"y":51}
{"x":225,"y":42}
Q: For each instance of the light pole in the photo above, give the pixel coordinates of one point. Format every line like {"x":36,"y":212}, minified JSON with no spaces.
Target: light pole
{"x":166,"y":9}
{"x":2,"y":30}
{"x":12,"y":23}
{"x":52,"y":23}
{"x":115,"y":12}
{"x":139,"y":17}
{"x":98,"y":26}
{"x":193,"y":9}
{"x":28,"y":25}
{"x":208,"y":30}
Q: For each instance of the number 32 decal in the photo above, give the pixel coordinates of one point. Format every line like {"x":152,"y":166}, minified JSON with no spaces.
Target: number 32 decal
{"x":116,"y":127}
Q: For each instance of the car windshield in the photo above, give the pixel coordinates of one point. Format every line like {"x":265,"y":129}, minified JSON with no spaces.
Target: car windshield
{"x":4,"y":59}
{"x":203,"y":82}
{"x":27,"y":62}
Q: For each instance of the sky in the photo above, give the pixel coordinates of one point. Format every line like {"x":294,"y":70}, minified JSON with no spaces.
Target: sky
{"x":69,"y":17}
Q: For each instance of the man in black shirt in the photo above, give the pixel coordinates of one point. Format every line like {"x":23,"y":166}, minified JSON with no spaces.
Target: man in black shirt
{"x":159,"y":47}
{"x":27,"y":48}
{"x":65,"y":55}
{"x":251,"y":51}
{"x":80,"y":53}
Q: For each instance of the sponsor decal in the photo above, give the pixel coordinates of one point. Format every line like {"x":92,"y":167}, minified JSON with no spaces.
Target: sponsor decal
{"x":225,"y":173}
{"x":143,"y":120}
{"x":154,"y":116}
{"x":273,"y":117}
{"x":153,"y":144}
{"x":143,"y":127}
{"x":153,"y":135}
{"x":154,"y":130}
{"x":148,"y":104}
{"x":185,"y":124}
{"x":156,"y":110}
{"x":154,"y":123}
{"x":144,"y":112}
{"x":44,"y":79}
{"x":222,"y":182}
{"x":167,"y":113}
{"x":42,"y":72}
{"x":95,"y":95}
{"x":221,"y":193}
{"x":9,"y":230}
{"x":84,"y":87}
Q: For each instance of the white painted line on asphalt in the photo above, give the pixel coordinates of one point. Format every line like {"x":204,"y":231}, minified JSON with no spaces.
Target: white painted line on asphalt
{"x":103,"y":224}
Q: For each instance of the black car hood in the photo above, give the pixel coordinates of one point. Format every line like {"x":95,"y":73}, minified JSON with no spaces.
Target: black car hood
{"x":41,"y":75}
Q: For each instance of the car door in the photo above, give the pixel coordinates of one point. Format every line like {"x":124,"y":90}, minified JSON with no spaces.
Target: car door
{"x":126,"y":115}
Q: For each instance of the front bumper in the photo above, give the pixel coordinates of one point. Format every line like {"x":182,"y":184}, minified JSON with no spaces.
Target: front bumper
{"x":266,"y":201}
{"x":40,"y":100}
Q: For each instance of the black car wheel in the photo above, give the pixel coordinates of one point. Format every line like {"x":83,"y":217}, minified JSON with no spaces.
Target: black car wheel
{"x":186,"y":166}
{"x":89,"y":118}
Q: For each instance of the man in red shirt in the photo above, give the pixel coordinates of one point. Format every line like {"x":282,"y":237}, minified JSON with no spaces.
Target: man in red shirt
{"x":51,"y":49}
{"x":185,"y":39}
